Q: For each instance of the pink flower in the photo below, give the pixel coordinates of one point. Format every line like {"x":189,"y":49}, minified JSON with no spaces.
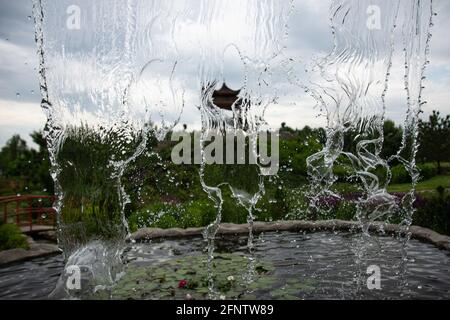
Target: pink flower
{"x":182,"y":283}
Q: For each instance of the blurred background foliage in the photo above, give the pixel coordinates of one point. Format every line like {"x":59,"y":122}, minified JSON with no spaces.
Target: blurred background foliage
{"x":163,"y":194}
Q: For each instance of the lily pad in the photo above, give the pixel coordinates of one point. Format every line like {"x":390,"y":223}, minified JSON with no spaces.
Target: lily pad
{"x":163,"y":281}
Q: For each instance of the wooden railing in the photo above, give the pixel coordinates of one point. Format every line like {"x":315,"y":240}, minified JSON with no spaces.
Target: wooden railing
{"x":29,"y":212}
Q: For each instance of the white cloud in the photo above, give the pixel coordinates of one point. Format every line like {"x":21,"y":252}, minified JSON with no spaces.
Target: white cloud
{"x":20,"y":118}
{"x":309,"y":34}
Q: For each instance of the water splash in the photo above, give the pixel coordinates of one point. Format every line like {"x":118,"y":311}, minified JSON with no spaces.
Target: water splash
{"x":351,"y":84}
{"x":253,"y":34}
{"x":123,"y":71}
{"x":106,"y":85}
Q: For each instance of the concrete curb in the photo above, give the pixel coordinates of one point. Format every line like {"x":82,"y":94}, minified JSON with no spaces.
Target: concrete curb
{"x":43,"y":249}
{"x":424,"y":234}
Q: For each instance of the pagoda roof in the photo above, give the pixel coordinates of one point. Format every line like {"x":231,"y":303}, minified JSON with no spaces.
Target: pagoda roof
{"x":225,"y":97}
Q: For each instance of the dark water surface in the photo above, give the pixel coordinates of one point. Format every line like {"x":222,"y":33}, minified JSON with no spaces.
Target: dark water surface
{"x":328,"y":259}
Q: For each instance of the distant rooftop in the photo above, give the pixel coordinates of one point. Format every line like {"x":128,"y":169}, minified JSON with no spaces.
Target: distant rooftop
{"x":225,"y":97}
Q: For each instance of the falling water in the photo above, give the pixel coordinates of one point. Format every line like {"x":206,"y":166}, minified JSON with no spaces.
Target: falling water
{"x":253,"y":34}
{"x":106,"y":84}
{"x":114,"y":72}
{"x":351,"y":84}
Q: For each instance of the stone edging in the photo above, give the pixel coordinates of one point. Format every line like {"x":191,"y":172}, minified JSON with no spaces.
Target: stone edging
{"x":43,"y":249}
{"x":36,"y":250}
{"x":424,"y":234}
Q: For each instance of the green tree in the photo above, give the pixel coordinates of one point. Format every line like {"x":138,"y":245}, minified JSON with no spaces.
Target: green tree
{"x":41,"y":162}
{"x":392,"y":139}
{"x":15,"y":169}
{"x":14,"y":156}
{"x":24,"y":169}
{"x":434,"y":139}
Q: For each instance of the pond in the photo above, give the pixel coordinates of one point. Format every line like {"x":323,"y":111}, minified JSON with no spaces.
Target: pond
{"x":283,"y":265}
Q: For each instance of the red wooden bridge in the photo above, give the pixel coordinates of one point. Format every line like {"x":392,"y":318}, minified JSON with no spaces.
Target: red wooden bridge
{"x":32,"y":213}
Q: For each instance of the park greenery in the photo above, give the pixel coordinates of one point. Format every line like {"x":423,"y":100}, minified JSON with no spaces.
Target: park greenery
{"x":163,"y":194}
{"x":11,"y":237}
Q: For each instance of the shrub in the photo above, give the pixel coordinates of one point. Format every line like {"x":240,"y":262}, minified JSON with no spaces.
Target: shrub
{"x":273,"y":205}
{"x":198,"y":214}
{"x":161,"y":215}
{"x":346,"y":211}
{"x":232,"y":211}
{"x":166,"y":221}
{"x":342,"y":172}
{"x":399,"y":174}
{"x":11,"y":237}
{"x":428,"y":170}
{"x":434,"y":213}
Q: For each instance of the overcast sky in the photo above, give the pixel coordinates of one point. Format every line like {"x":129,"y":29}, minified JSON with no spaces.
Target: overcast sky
{"x":20,"y":112}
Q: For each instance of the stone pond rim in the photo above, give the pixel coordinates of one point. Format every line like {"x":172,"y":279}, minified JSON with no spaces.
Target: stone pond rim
{"x":420,"y":233}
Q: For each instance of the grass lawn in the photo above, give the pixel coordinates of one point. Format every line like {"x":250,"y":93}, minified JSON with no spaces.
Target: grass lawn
{"x":430,"y":184}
